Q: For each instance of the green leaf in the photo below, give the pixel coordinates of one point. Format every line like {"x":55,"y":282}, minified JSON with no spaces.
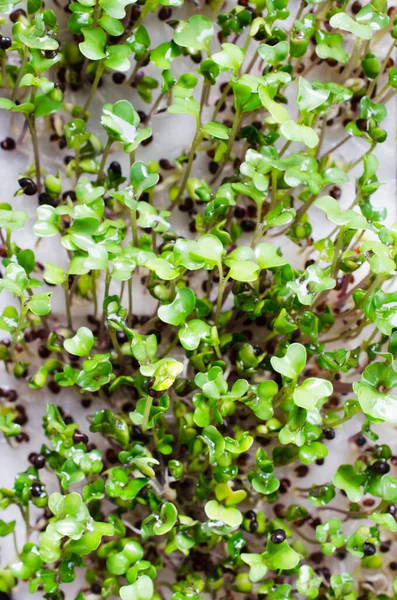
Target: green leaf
{"x":6,"y":528}
{"x":293,"y":363}
{"x":196,"y":33}
{"x":281,"y":556}
{"x":348,"y":218}
{"x":350,"y":481}
{"x":293,"y":132}
{"x":257,"y":565}
{"x":142,"y":589}
{"x":311,"y":392}
{"x":94,"y":43}
{"x":329,"y":45}
{"x":308,"y":97}
{"x":164,"y":371}
{"x":273,"y":55}
{"x":216,"y":130}
{"x":13,"y":220}
{"x":181,"y":307}
{"x":217,"y":512}
{"x":345,"y":22}
{"x":381,"y":406}
{"x":15,"y":280}
{"x":115,"y":8}
{"x":81,"y":343}
{"x":167,"y":519}
{"x":268,"y":256}
{"x":277,"y":111}
{"x":121,"y":121}
{"x":193,"y":333}
{"x":40,"y":304}
{"x":141,"y":178}
{"x":231,"y":57}
{"x":307,"y":583}
{"x":117,"y":57}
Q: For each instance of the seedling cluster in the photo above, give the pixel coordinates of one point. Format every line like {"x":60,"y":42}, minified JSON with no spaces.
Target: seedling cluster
{"x":255,"y":359}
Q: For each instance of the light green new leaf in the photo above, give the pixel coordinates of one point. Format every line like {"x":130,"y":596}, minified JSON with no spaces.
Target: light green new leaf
{"x":81,"y":343}
{"x":181,"y":307}
{"x":293,"y":132}
{"x":13,"y":220}
{"x":348,"y":218}
{"x":94,"y":43}
{"x":196,"y":33}
{"x":216,"y":512}
{"x":311,"y":391}
{"x":141,"y":589}
{"x":268,"y":257}
{"x":345,"y":22}
{"x":380,"y":406}
{"x":277,"y":111}
{"x":308,"y":98}
{"x":257,"y":565}
{"x":40,"y":304}
{"x":231,"y":57}
{"x":115,"y":8}
{"x":293,"y":363}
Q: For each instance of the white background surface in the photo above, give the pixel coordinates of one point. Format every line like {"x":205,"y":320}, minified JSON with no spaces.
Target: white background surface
{"x":171,"y":133}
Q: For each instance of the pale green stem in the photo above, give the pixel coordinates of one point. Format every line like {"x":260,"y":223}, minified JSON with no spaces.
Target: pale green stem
{"x":20,"y":75}
{"x":146,"y":413}
{"x":130,"y":301}
{"x":67,"y":303}
{"x":134,"y":227}
{"x":99,"y":71}
{"x":105,"y":155}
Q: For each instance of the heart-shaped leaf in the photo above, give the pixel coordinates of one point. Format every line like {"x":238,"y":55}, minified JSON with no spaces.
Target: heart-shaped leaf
{"x":293,"y":132}
{"x":293,"y":363}
{"x":181,"y":307}
{"x":81,"y":343}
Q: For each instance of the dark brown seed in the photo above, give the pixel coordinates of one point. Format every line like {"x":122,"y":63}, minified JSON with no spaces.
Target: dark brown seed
{"x":381,"y":467}
{"x":44,"y":352}
{"x":118,"y":78}
{"x":329,"y":433}
{"x":5,"y":42}
{"x":21,"y":418}
{"x":247,"y":225}
{"x":213,"y":167}
{"x":356,"y":7}
{"x":335,"y":192}
{"x":54,"y":387}
{"x":111,"y":455}
{"x":360,"y":441}
{"x":368,"y":502}
{"x":239,"y":212}
{"x":317,"y":558}
{"x":278,"y":536}
{"x":301,"y":471}
{"x":36,"y":490}
{"x":80,"y":438}
{"x":8,"y":143}
{"x":11,"y":395}
{"x":16,"y":14}
{"x":165,"y":13}
{"x":147,"y":141}
{"x":369,"y":549}
{"x":28,"y":185}
{"x":166,"y":164}
{"x":37,"y":460}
